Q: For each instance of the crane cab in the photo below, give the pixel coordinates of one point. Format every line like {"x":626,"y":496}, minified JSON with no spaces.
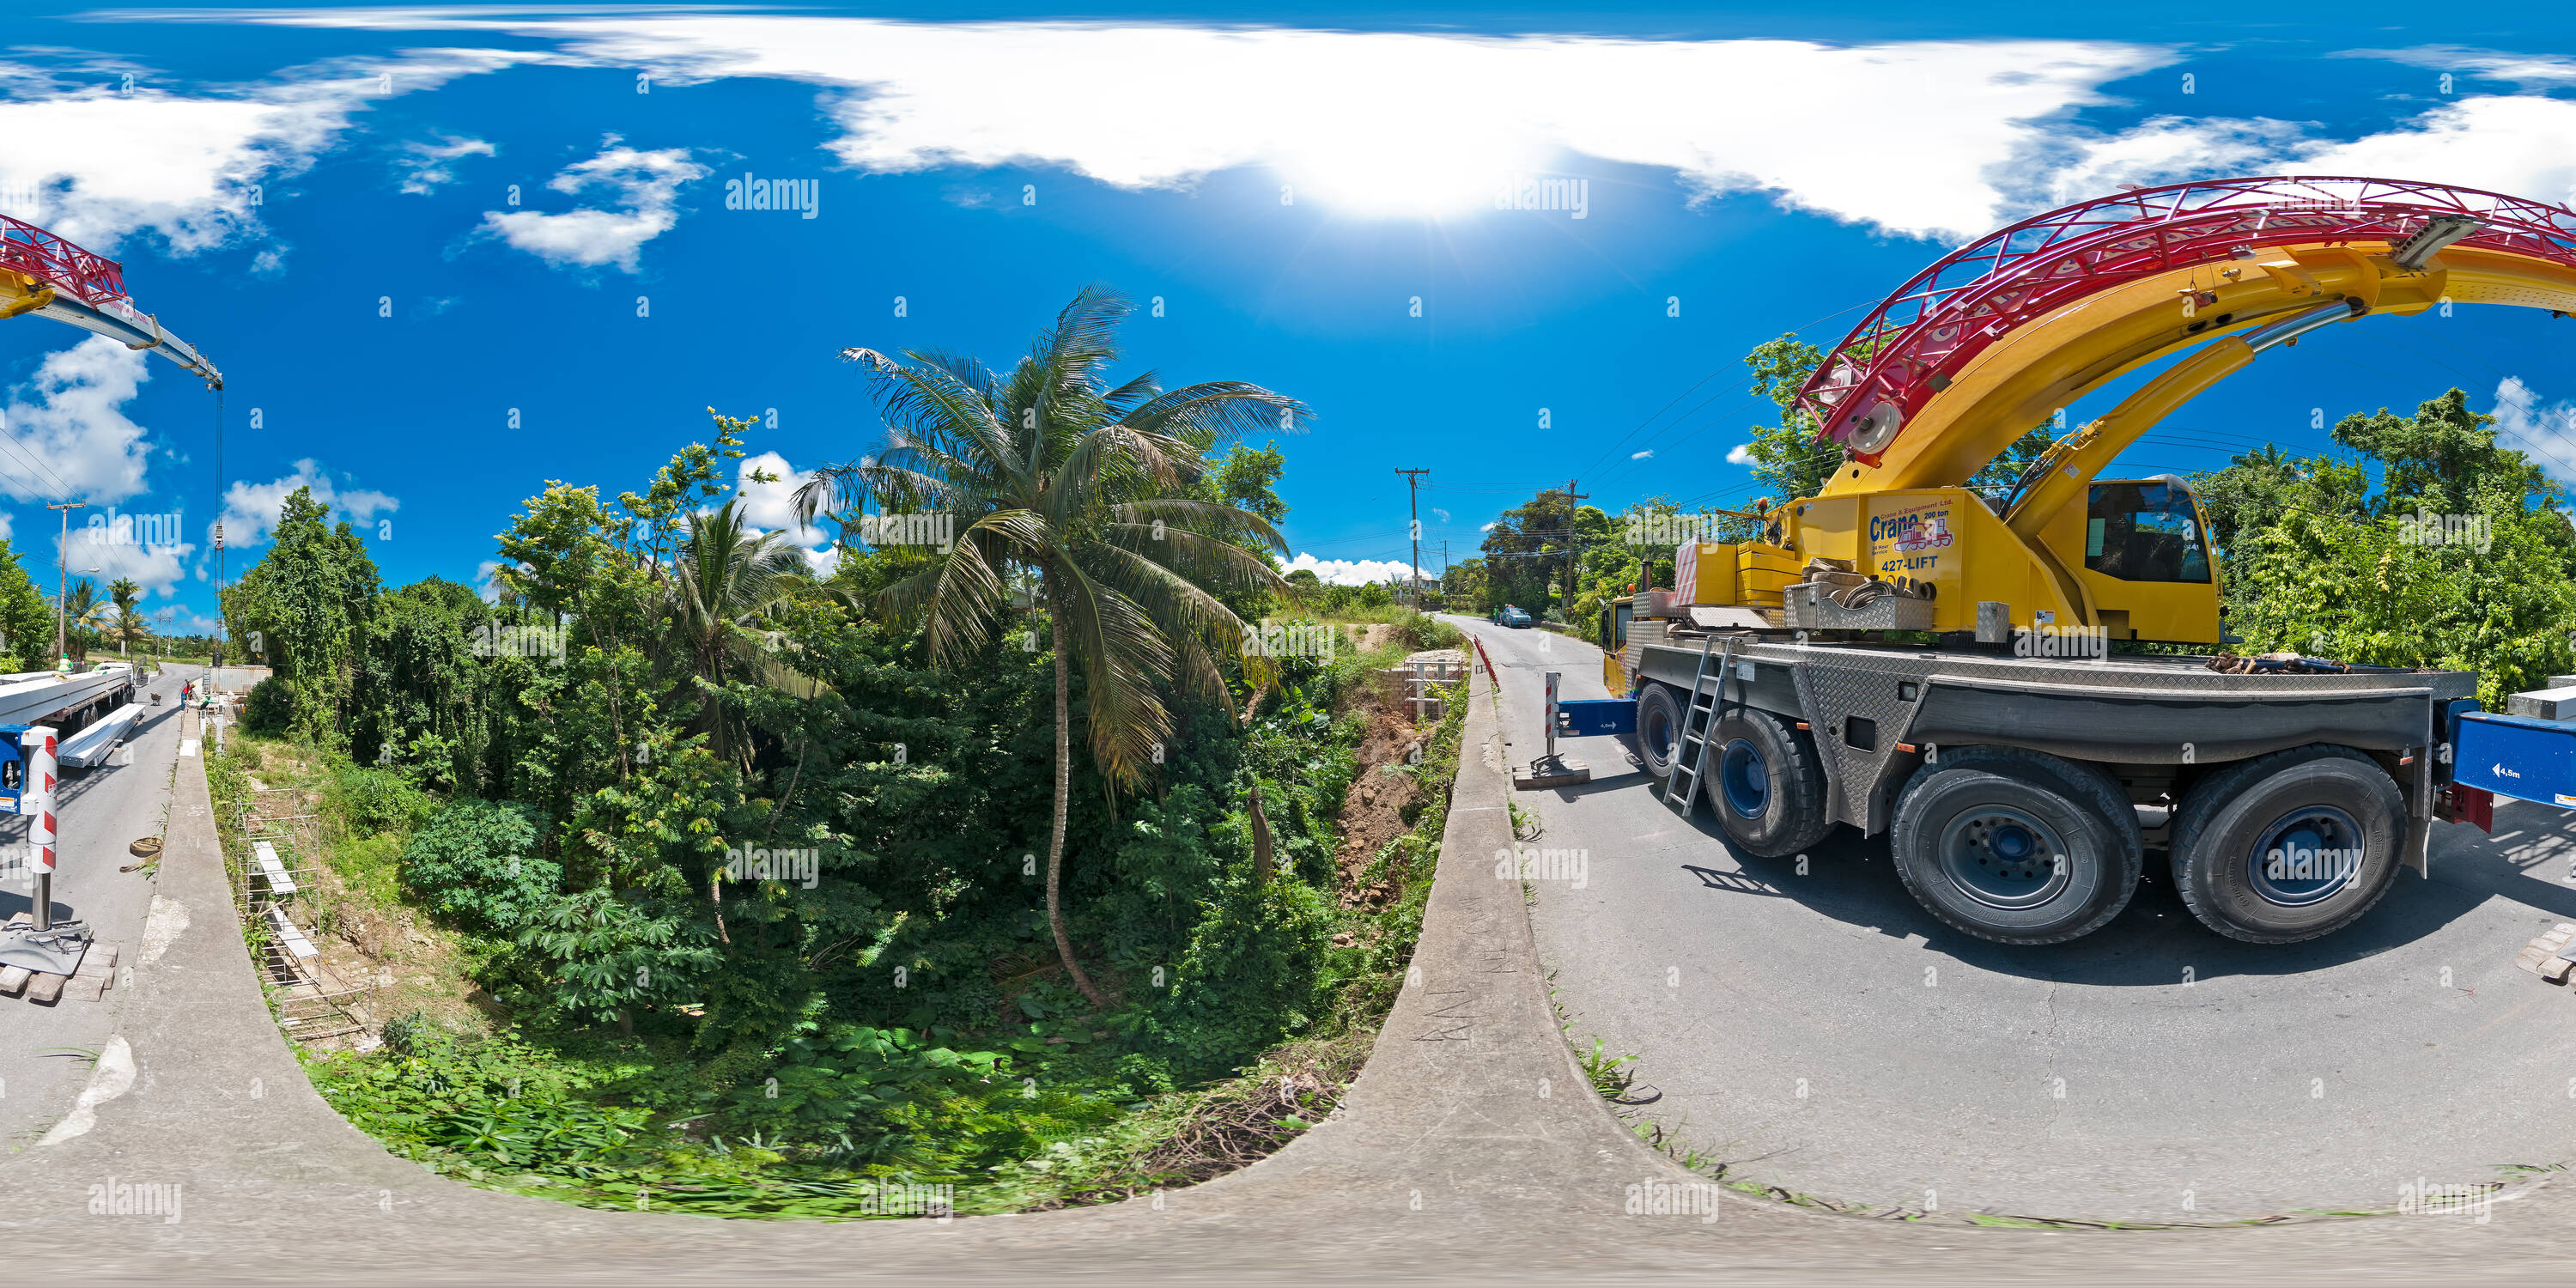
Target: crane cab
{"x":2139,"y":552}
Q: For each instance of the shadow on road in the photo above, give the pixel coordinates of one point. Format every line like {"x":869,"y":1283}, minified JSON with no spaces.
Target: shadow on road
{"x":2155,"y":940}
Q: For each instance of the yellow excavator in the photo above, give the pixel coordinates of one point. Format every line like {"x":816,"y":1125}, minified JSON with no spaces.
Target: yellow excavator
{"x":2006,"y":333}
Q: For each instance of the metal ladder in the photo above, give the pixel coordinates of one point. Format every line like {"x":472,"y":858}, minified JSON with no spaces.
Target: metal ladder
{"x":1690,"y":750}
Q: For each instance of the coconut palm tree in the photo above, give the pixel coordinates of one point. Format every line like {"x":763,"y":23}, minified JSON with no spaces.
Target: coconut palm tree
{"x":1049,"y":469}
{"x":721,"y":583}
{"x":84,"y":614}
{"x":128,"y":627}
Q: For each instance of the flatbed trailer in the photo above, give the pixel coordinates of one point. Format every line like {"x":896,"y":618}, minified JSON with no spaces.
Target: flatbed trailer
{"x":2019,"y":794}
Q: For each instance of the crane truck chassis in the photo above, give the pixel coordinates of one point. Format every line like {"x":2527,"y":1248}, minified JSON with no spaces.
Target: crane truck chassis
{"x":2286,"y":792}
{"x":2009,"y":787}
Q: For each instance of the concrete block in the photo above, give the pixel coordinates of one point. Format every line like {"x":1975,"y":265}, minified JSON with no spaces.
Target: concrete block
{"x":47,"y":989}
{"x":13,"y":980}
{"x":81,"y":988}
{"x":2544,"y":704}
{"x":2555,"y":969}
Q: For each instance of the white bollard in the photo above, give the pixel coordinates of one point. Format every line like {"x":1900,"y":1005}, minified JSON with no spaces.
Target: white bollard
{"x":37,"y":745}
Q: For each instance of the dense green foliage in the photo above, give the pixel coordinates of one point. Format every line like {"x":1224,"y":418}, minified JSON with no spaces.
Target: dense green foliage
{"x":2316,"y":560}
{"x":763,"y":854}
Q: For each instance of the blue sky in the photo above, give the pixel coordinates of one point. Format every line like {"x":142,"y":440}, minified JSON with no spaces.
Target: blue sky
{"x":321,"y":200}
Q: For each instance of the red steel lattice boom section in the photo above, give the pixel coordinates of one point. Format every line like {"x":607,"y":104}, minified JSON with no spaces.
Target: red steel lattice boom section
{"x":1910,"y":347}
{"x":92,"y":279}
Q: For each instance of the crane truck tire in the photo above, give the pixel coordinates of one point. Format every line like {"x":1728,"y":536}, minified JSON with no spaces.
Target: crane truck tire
{"x":2289,"y":846}
{"x":1659,"y":730}
{"x":1766,"y":784}
{"x":2017,"y":846}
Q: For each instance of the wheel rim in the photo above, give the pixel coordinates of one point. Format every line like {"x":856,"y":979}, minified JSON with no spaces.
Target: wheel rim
{"x":2306,"y":856}
{"x":1656,"y":732}
{"x":1742,"y":779}
{"x":2004,"y":857}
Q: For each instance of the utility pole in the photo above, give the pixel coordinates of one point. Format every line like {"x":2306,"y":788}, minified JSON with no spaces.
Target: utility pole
{"x":62,"y":585}
{"x":1413,"y":502}
{"x":1573,"y":540}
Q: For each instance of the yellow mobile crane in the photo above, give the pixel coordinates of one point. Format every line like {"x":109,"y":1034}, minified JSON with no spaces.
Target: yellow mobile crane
{"x":2020,"y":790}
{"x":2004,"y":334}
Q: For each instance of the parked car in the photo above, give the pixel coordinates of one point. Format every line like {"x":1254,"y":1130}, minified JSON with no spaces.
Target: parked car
{"x":1511,"y":616}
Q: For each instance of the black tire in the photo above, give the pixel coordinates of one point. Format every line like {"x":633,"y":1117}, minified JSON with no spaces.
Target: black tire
{"x":2314,"y":806}
{"x":1766,"y":784}
{"x":2017,"y":846}
{"x":1659,"y":724}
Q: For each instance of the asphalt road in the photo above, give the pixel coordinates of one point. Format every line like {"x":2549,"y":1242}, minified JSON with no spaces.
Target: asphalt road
{"x":101,"y":811}
{"x":1820,"y":1032}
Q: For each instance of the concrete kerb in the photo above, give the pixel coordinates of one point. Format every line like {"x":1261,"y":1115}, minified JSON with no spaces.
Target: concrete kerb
{"x":1445,"y":1161}
{"x":1450,"y":1119}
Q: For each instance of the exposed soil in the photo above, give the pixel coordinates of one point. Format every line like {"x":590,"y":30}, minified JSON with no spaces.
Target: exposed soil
{"x":376,"y":961}
{"x":1380,"y":804}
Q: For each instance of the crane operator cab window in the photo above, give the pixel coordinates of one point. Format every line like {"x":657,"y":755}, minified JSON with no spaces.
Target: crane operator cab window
{"x":2147,"y":530}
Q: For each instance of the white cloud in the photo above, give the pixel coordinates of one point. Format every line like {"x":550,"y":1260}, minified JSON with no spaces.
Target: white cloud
{"x":2158,"y":150}
{"x":1640,"y":456}
{"x":426,"y":166}
{"x":1740,"y":454}
{"x":487,"y":580}
{"x":644,"y":185}
{"x":1340,"y":114}
{"x":124,"y":549}
{"x":1990,"y":127}
{"x":1440,"y":514}
{"x":96,"y":164}
{"x":2519,"y":145}
{"x":1489,"y":527}
{"x":74,"y":439}
{"x":771,"y":506}
{"x":251,"y":510}
{"x":2522,"y":69}
{"x":2546,"y":432}
{"x":1350,"y":572}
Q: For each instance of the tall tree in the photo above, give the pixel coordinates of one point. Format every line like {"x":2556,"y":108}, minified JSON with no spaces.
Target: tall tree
{"x":85,"y":614}
{"x":305,"y":607}
{"x":128,"y":627}
{"x":724,"y":579}
{"x":1052,"y":468}
{"x":26,"y":616}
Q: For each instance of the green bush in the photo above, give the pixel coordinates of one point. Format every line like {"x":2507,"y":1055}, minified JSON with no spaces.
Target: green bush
{"x":270,"y":708}
{"x":374,"y":800}
{"x":476,"y":864}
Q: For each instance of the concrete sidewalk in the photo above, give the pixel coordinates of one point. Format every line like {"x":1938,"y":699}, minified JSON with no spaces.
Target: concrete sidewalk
{"x":1470,"y":1150}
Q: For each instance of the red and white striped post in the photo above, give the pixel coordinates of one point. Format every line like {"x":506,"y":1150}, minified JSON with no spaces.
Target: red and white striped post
{"x":37,"y":803}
